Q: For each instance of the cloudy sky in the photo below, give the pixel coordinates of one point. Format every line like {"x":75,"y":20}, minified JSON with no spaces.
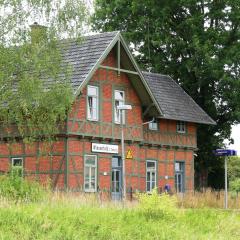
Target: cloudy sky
{"x":236,"y":137}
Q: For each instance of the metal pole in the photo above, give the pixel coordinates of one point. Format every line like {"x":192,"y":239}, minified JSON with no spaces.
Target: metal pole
{"x":226,"y":187}
{"x":123,"y":158}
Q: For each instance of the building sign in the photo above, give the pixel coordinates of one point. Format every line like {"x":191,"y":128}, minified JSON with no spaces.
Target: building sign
{"x":104,"y":148}
{"x":225,"y":152}
{"x":129,"y":154}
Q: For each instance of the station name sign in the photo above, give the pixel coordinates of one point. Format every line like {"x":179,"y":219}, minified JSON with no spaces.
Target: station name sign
{"x":225,"y":152}
{"x":104,"y":148}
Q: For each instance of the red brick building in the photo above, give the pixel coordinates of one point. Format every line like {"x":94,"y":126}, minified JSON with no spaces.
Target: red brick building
{"x":159,"y":131}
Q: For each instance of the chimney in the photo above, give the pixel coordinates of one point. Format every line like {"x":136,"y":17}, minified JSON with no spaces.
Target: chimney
{"x":38,"y":33}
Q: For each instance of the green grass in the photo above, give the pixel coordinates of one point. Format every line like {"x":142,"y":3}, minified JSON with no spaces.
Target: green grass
{"x":71,"y":219}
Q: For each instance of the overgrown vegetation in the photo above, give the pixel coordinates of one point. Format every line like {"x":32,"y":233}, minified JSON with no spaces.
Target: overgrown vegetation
{"x":157,"y":205}
{"x":208,"y":198}
{"x":16,"y":189}
{"x":234,"y":174}
{"x":71,"y":217}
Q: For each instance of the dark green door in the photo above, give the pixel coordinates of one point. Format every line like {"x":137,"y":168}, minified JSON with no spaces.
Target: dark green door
{"x":116,"y":178}
{"x":179,"y":177}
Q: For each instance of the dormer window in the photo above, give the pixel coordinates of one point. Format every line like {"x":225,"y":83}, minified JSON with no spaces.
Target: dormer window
{"x":119,"y":101}
{"x":153,"y":125}
{"x":181,"y":127}
{"x":92,"y":103}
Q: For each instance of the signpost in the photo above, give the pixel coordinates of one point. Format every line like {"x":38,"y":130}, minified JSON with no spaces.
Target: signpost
{"x":225,"y":153}
{"x":123,"y":108}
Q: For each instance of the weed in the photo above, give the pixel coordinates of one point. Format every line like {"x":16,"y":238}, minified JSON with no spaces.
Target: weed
{"x":15,"y":188}
{"x":156,"y":205}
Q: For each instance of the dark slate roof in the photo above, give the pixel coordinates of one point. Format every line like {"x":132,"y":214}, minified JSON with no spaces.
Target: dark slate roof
{"x":174,"y":102}
{"x":83,"y":56}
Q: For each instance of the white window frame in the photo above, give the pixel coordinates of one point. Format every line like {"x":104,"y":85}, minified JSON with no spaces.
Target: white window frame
{"x":153,"y":126}
{"x":91,"y":168}
{"x":94,"y":108}
{"x":151,"y":178}
{"x":181,"y":127}
{"x":12,"y":161}
{"x":116,"y":111}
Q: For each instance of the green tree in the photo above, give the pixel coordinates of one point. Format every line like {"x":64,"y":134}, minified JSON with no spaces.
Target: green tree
{"x":35,"y":90}
{"x":234,"y":168}
{"x":234,"y":173}
{"x":197,"y":43}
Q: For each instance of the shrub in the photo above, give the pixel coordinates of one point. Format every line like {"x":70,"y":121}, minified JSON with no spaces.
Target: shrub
{"x":15,"y":188}
{"x":235,"y":185}
{"x":156,"y":205}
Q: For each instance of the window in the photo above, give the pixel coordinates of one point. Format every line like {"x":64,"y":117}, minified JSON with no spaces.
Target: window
{"x":179,"y":176}
{"x":181,"y":127}
{"x":153,"y":125}
{"x":150,"y":175}
{"x":17,"y":166}
{"x":119,"y":100}
{"x":116,"y":162}
{"x":90,"y":173}
{"x":92,"y":103}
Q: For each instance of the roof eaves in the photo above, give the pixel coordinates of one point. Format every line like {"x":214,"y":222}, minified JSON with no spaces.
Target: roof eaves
{"x":211,"y":122}
{"x":98,"y":62}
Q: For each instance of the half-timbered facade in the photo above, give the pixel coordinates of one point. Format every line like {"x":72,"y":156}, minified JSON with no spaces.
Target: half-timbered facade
{"x":159,"y":131}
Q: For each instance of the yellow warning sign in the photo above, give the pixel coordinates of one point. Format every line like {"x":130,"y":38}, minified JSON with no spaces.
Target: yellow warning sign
{"x":129,"y":154}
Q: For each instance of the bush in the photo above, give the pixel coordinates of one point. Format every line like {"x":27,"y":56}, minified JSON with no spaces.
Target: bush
{"x":156,"y":205}
{"x":235,"y":185}
{"x":15,"y":188}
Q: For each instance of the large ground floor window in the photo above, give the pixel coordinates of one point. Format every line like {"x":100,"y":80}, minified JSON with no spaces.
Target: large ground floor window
{"x":179,"y":176}
{"x":151,"y":175}
{"x":90,"y":173}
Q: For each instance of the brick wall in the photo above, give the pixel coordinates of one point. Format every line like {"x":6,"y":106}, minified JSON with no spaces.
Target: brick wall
{"x":135,"y":168}
{"x":44,"y":162}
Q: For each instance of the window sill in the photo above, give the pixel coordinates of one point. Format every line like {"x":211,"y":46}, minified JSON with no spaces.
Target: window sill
{"x":92,"y":120}
{"x":153,"y":130}
{"x":181,"y":132}
{"x":90,"y":191}
{"x":119,"y":124}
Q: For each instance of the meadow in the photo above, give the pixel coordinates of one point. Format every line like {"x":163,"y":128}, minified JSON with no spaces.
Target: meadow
{"x":72,"y":217}
{"x":78,"y":216}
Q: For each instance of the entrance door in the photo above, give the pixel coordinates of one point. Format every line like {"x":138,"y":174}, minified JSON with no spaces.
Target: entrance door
{"x":179,"y":177}
{"x":116,"y":178}
{"x":179,"y":182}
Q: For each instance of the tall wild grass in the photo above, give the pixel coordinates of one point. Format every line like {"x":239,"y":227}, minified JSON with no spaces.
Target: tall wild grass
{"x":208,"y":198}
{"x":70,"y":216}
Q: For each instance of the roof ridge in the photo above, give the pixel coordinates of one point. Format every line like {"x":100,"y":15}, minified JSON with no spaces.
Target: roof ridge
{"x":98,"y":33}
{"x":87,"y":37}
{"x":158,"y":74}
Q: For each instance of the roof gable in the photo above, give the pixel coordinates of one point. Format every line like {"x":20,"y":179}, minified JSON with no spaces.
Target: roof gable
{"x":86,"y":57}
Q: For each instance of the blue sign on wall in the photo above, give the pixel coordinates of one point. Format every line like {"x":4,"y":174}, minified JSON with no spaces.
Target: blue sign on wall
{"x":225,"y":152}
